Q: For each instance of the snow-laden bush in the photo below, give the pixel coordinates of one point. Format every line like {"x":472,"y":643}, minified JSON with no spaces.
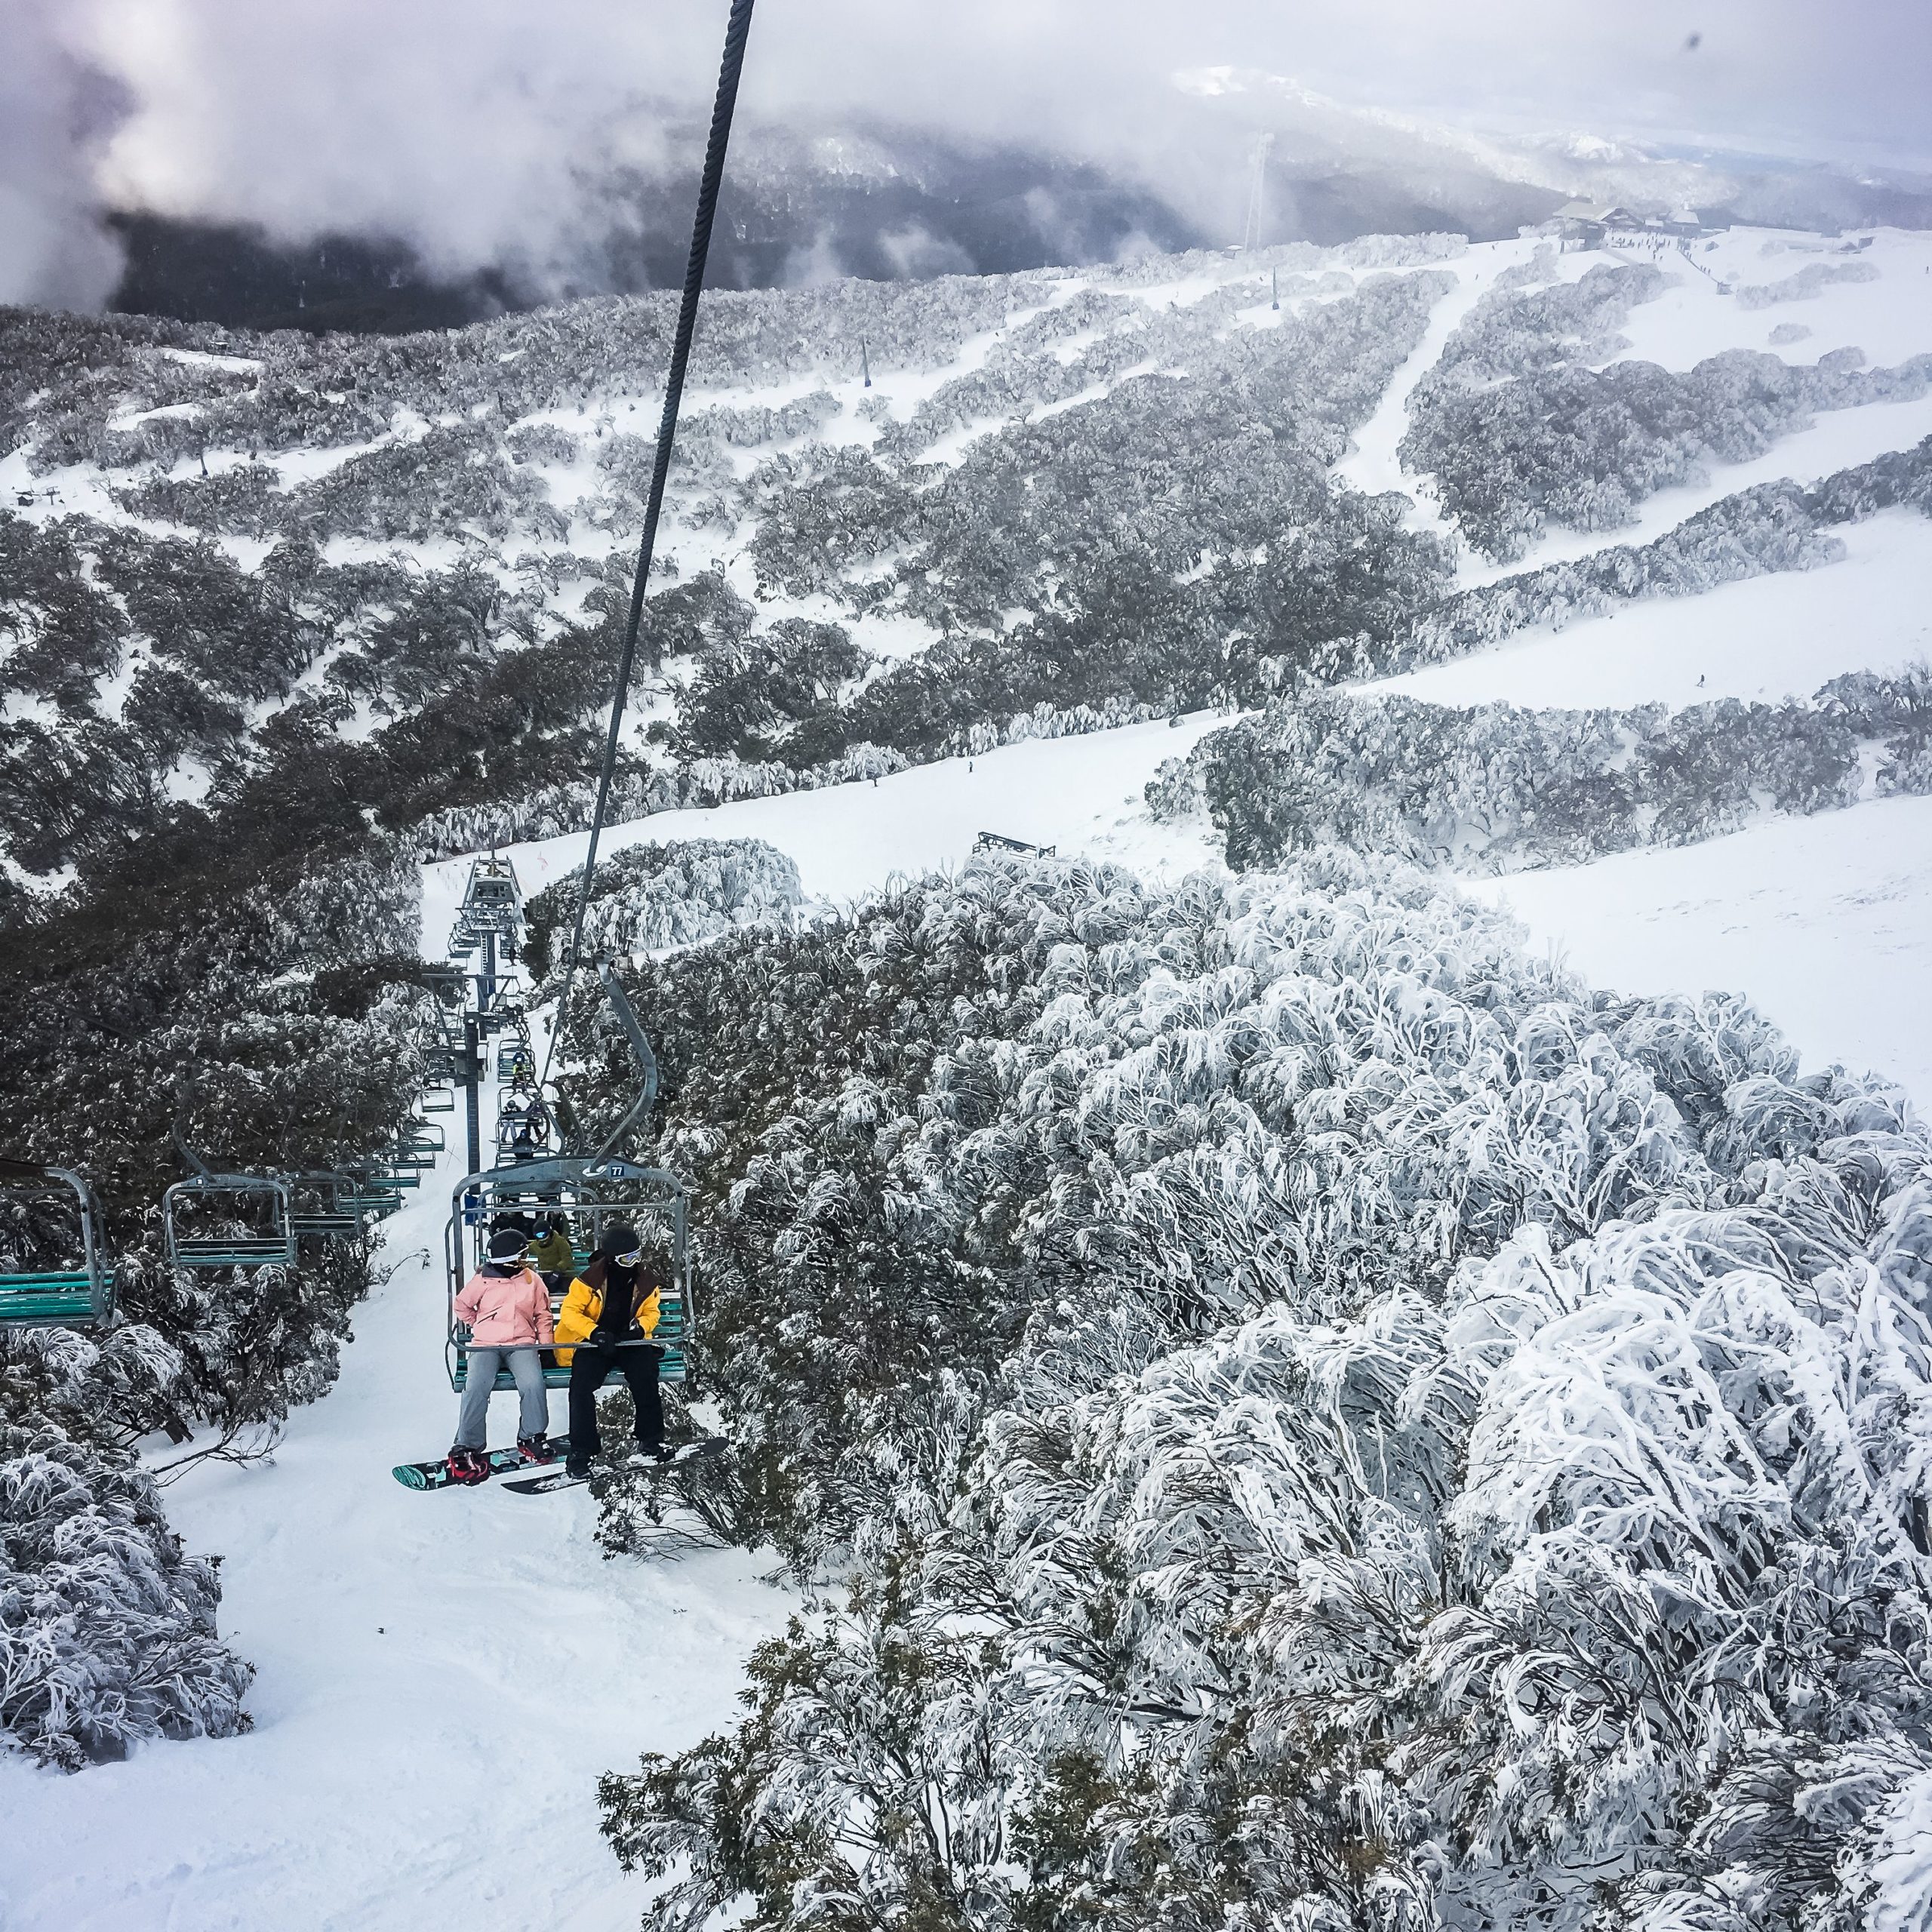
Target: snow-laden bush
{"x":1320,"y":1419}
{"x":107,"y":1631}
{"x":650,"y":895}
{"x":1495,"y":788}
{"x":1810,"y":280}
{"x":1524,"y":427}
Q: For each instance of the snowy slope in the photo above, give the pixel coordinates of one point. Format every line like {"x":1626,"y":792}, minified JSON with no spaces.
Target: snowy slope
{"x":427,"y":1739}
{"x":1080,"y":794}
{"x":1826,"y":922}
{"x":1765,"y":637}
{"x":438,"y":1689}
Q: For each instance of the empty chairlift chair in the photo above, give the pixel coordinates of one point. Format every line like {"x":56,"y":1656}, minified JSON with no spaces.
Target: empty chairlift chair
{"x":52,"y":1272}
{"x":321,"y":1206}
{"x":223,"y":1220}
{"x":493,"y":900}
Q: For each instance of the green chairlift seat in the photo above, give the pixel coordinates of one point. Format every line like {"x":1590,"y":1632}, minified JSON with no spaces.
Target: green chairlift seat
{"x":227,"y":1221}
{"x":321,"y":1207}
{"x":66,"y":1297}
{"x":668,"y":1335}
{"x":439,"y":1100}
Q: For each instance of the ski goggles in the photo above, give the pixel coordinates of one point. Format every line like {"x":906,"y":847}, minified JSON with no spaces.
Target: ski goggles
{"x":629,"y":1261}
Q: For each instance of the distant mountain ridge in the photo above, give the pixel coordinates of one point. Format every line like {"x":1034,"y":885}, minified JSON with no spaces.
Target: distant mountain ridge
{"x":805,"y":204}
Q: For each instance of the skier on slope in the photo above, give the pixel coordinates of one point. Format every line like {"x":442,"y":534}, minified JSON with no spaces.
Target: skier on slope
{"x":506,"y":1308}
{"x":613,"y":1300}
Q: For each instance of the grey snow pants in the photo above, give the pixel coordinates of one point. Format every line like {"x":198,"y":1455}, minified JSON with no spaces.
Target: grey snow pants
{"x":527,"y":1365}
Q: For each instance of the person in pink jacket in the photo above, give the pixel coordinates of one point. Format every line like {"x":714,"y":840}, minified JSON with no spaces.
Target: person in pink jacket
{"x":506,"y":1308}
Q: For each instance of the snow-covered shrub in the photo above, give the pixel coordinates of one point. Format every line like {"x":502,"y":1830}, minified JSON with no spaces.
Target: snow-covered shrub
{"x":107,"y":1630}
{"x":652,"y":895}
{"x":1523,"y":426}
{"x":1321,"y":1420}
{"x":1498,"y":789}
{"x":1809,"y":280}
{"x":1581,"y":448}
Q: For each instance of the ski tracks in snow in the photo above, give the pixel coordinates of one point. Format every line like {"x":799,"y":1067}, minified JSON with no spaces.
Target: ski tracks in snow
{"x":1373,"y":466}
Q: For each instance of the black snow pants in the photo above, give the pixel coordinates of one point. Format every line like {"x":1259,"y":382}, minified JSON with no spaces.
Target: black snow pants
{"x":589,"y":1365}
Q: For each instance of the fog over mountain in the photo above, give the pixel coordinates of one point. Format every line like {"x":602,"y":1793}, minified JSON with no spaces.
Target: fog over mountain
{"x":346,"y":165}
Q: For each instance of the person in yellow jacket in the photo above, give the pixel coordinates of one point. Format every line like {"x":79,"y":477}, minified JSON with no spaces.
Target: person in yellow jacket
{"x":609,"y":1316}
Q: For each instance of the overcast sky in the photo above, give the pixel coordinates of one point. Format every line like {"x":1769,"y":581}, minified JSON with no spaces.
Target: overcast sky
{"x":457,"y":123}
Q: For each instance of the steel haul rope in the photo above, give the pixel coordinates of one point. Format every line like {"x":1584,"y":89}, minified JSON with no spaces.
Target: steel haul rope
{"x":736,"y":31}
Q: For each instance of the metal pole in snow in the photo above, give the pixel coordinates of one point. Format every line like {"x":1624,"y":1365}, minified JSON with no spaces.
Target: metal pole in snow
{"x":472,"y":1068}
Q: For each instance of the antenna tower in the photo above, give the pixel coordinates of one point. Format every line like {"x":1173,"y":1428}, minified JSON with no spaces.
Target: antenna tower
{"x":1257,"y":193}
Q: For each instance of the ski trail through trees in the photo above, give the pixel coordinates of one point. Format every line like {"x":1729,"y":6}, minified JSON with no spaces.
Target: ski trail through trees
{"x":1373,"y":466}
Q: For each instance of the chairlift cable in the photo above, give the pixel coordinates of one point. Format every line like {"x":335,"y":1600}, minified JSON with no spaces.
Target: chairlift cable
{"x":737,"y":29}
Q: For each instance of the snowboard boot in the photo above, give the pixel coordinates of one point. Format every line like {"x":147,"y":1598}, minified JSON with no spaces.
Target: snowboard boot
{"x":468,"y":1466}
{"x":648,"y":1456}
{"x":577,"y":1467}
{"x":535,"y":1449}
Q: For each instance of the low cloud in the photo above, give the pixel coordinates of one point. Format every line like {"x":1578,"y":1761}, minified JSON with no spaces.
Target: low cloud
{"x":479,"y":130}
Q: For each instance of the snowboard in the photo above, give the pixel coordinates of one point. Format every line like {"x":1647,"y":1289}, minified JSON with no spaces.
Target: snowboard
{"x":686,"y":1452}
{"x":500,"y":1462}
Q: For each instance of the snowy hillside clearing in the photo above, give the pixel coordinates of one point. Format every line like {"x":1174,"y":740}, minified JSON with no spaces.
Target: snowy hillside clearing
{"x":1826,"y":923}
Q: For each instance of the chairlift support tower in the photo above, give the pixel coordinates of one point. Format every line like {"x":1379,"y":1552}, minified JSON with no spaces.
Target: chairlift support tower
{"x":1257,"y":193}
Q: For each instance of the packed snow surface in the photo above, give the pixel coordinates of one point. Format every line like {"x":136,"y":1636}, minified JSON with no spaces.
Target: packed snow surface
{"x":1760,"y":638}
{"x":1826,"y":922}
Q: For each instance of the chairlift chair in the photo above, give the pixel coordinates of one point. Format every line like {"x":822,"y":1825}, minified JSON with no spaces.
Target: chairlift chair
{"x":493,"y":887}
{"x":320,"y":1206}
{"x":590,"y":1194}
{"x":222,"y":1220}
{"x":437,"y":1100}
{"x":524,"y":1133}
{"x":77,"y":1292}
